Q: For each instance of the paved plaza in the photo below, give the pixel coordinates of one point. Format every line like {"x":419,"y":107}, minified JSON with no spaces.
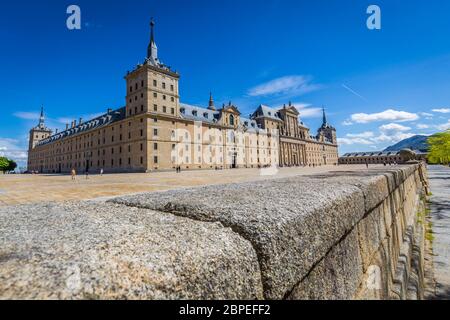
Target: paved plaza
{"x":21,"y":189}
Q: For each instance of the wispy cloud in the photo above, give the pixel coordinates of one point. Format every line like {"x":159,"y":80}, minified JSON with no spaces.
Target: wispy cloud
{"x":12,"y":149}
{"x":27,"y":115}
{"x":289,"y":85}
{"x":367,"y":134}
{"x":353,"y":92}
{"x":422,"y":126}
{"x":443,"y":126}
{"x":387,"y":115}
{"x":442,"y":110}
{"x":307,"y":110}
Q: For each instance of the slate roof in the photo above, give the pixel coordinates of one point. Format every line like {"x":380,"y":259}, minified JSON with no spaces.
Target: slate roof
{"x":99,"y":122}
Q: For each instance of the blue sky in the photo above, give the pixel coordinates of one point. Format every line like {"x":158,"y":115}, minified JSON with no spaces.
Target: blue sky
{"x":378,"y":86}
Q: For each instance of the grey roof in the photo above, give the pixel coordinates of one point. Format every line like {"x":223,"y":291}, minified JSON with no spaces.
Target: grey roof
{"x":93,"y":124}
{"x":195,"y":113}
{"x":266,"y":112}
{"x":371,"y":154}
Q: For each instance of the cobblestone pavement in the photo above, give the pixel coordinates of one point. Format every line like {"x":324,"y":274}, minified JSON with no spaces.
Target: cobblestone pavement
{"x":440,"y":216}
{"x":20,"y":189}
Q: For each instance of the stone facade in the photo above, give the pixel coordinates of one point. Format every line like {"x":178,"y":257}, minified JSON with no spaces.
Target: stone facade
{"x":155,"y":131}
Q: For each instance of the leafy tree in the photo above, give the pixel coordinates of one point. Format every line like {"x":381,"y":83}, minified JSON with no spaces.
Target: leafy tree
{"x":4,"y":163}
{"x":7,"y":164}
{"x":439,"y":148}
{"x":12,"y":165}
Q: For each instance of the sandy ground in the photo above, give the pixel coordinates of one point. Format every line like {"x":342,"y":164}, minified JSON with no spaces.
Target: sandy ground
{"x":20,"y":189}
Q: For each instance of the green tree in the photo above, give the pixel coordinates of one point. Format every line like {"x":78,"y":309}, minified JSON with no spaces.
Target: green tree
{"x":4,"y":163}
{"x":12,"y":165}
{"x":439,"y":148}
{"x":7,"y":165}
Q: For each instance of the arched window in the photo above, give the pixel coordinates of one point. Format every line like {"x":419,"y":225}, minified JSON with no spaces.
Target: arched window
{"x":231,"y":120}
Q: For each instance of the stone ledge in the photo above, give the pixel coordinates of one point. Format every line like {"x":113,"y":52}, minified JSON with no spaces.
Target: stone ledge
{"x":300,"y":237}
{"x":91,"y":251}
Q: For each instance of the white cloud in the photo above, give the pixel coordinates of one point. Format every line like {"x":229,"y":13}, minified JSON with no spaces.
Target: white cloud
{"x":27,"y":115}
{"x":393,"y":127}
{"x":350,"y":141}
{"x":367,"y":134}
{"x":422,"y":126}
{"x":425,"y":114}
{"x":443,"y":110}
{"x":444,"y":126}
{"x":387,"y":115}
{"x":11,"y":149}
{"x":292,"y":85}
{"x":347,"y":123}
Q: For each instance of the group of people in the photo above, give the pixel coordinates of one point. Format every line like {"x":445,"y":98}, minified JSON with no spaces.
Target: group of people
{"x":73,"y":173}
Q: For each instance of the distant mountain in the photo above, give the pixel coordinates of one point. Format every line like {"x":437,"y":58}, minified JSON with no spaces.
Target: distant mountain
{"x":414,"y":143}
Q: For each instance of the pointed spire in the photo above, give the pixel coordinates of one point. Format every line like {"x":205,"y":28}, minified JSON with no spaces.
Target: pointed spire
{"x":324,"y":121}
{"x":152,"y":50}
{"x":42,"y":118}
{"x":211,"y":102}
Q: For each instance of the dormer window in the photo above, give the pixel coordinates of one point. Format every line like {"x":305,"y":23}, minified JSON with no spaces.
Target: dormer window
{"x":205,"y":115}
{"x":182,"y":110}
{"x":194,"y":113}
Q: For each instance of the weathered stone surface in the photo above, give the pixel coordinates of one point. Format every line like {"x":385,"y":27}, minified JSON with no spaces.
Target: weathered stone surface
{"x":292,"y":223}
{"x":337,"y":276}
{"x":92,"y":251}
{"x":306,"y":237}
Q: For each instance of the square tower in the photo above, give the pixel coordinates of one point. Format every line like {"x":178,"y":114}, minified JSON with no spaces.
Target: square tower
{"x":152,"y":87}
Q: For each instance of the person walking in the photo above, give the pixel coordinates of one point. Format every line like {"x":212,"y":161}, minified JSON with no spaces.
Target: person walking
{"x":87,"y":174}
{"x":101,"y":172}
{"x":73,"y":174}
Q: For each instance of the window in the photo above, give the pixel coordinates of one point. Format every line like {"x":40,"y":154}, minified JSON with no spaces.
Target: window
{"x":172,"y":99}
{"x":155,"y":132}
{"x":155,"y":83}
{"x":155,"y":159}
{"x":155,"y":95}
{"x":164,"y":97}
{"x":163,"y":85}
{"x":129,"y":161}
{"x":155,"y":146}
{"x":155,"y":107}
{"x":164,"y":109}
{"x":142,"y":160}
{"x":142,"y":108}
{"x":142,"y":132}
{"x":172,"y":110}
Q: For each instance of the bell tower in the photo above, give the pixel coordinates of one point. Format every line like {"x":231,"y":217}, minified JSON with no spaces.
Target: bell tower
{"x":40,"y":132}
{"x":152,"y":87}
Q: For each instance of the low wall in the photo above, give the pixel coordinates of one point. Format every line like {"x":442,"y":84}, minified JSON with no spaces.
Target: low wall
{"x":340,"y":235}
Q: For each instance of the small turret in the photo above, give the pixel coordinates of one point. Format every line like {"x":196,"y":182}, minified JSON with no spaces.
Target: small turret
{"x":211,"y":105}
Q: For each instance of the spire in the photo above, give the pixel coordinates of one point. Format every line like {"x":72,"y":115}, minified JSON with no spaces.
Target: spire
{"x":152,"y":50}
{"x":42,"y":118}
{"x":324,"y":121}
{"x":211,"y":102}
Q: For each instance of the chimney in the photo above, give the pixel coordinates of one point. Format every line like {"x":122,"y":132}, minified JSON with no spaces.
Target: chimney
{"x":74,"y":123}
{"x":109,"y":110}
{"x":81,"y":121}
{"x":67,"y":126}
{"x":56,"y":131}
